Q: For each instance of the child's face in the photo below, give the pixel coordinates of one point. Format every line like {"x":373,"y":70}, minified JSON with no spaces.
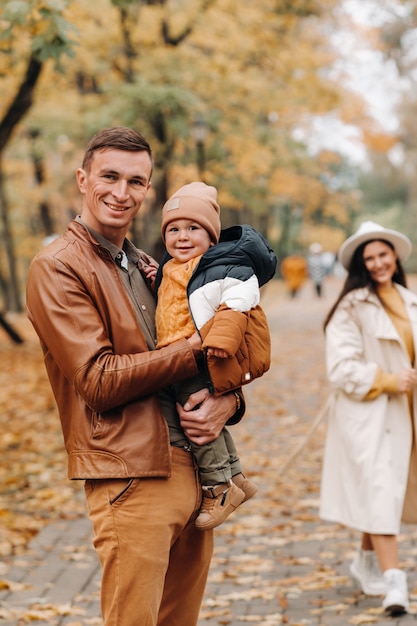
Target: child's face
{"x":186,"y":239}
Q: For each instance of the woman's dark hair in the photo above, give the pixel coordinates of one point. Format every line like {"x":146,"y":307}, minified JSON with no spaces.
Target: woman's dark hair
{"x":358,"y":276}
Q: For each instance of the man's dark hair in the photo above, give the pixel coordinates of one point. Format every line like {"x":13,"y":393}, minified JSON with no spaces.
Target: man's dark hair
{"x":116,"y":138}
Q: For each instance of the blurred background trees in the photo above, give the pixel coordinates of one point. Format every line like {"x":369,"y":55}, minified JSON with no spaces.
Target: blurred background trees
{"x":254,"y":98}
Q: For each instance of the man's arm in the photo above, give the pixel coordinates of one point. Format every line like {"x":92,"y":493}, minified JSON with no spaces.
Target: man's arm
{"x":79,"y":340}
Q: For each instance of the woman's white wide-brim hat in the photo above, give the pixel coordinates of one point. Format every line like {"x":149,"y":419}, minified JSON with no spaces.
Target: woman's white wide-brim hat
{"x":368,"y":231}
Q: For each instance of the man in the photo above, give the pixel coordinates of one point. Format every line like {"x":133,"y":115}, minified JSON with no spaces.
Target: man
{"x":90,"y":305}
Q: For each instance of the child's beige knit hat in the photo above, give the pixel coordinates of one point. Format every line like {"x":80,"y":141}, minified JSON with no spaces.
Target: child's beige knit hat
{"x":196,"y":201}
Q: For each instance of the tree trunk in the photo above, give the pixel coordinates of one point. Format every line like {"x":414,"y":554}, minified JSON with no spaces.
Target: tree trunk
{"x":39,"y":172}
{"x":12,"y":295}
{"x":21,"y":103}
{"x":18,"y":108}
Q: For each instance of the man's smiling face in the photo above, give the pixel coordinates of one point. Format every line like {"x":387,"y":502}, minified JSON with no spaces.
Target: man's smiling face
{"x":113,"y":189}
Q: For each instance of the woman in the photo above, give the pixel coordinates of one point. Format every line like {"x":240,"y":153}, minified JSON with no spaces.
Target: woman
{"x":369,"y":476}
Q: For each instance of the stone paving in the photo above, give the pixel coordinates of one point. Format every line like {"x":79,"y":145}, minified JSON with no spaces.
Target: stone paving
{"x":275,"y":562}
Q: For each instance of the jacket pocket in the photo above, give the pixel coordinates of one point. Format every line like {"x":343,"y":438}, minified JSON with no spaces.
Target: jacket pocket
{"x":99,"y":425}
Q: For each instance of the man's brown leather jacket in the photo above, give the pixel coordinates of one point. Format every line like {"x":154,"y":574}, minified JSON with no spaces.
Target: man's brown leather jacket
{"x":102,"y":374}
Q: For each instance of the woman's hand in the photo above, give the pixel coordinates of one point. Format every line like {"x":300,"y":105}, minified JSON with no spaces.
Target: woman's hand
{"x":204,"y":416}
{"x":407,"y":379}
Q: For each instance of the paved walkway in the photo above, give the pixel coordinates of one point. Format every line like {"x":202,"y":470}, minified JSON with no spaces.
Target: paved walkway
{"x":275,"y":562}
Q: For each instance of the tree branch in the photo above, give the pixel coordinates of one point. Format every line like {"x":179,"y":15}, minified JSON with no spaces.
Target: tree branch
{"x":13,"y":334}
{"x":174,"y":41}
{"x":22,"y":101}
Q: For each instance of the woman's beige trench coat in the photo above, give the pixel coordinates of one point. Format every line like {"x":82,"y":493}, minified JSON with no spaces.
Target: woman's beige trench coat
{"x":368,"y":445}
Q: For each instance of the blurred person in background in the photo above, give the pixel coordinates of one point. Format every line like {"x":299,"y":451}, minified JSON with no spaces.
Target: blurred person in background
{"x":317,"y":267}
{"x":294,"y":272}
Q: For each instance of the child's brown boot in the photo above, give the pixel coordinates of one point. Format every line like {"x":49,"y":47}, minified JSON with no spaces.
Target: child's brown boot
{"x":218,"y":502}
{"x":247,"y":486}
